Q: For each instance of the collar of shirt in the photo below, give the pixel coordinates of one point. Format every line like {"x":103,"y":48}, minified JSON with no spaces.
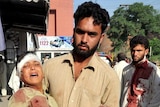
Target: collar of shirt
{"x":91,"y":65}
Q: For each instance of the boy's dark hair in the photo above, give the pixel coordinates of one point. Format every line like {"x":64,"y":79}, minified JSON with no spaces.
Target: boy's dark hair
{"x":139,"y":39}
{"x":90,"y":9}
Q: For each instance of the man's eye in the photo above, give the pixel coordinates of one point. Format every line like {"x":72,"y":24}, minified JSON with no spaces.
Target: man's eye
{"x":92,"y":34}
{"x":79,"y":31}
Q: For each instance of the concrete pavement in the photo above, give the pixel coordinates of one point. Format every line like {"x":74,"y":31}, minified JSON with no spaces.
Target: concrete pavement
{"x":4,"y":102}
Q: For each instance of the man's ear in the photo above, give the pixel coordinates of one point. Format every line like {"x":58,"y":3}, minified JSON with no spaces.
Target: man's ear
{"x":146,"y":51}
{"x":102,"y":37}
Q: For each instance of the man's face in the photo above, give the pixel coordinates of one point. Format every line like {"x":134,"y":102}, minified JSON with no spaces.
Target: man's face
{"x":138,"y":53}
{"x":87,"y":37}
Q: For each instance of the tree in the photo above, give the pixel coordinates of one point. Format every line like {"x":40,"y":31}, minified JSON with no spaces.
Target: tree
{"x":131,"y":20}
{"x":154,"y":43}
{"x":154,"y":50}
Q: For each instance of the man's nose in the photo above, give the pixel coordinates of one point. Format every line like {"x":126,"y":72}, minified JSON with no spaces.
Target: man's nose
{"x":85,"y":38}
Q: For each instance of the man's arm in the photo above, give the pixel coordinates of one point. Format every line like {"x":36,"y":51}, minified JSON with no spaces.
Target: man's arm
{"x":155,"y":91}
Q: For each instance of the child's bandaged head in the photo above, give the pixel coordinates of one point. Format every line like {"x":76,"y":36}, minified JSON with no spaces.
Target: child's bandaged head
{"x":26,"y":58}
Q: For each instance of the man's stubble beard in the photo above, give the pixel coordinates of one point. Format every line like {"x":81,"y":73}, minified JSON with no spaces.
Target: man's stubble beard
{"x":139,"y":60}
{"x":84,"y":54}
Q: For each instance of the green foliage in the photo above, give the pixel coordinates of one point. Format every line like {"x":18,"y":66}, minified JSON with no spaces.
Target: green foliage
{"x":156,"y":59}
{"x":155,"y":47}
{"x":133,"y":20}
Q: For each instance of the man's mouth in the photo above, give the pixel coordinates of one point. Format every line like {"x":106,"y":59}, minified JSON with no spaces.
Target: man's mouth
{"x":83,"y":47}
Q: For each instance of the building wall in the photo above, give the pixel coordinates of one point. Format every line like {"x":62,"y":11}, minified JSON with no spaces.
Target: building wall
{"x":60,"y":20}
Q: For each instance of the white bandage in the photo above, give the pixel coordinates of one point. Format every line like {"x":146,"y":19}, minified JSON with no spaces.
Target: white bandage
{"x":27,"y":58}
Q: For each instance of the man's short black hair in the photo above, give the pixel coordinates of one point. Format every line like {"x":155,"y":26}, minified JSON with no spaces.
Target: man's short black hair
{"x":90,"y":9}
{"x":139,"y":39}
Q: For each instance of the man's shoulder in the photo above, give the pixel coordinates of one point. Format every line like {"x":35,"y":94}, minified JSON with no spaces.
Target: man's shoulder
{"x":58,"y":58}
{"x":106,"y":69}
{"x":153,"y":65}
{"x":128,"y":68}
{"x":124,"y":62}
{"x":121,"y":63}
